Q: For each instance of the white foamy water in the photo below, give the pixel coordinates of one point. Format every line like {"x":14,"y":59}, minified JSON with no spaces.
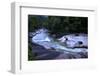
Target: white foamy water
{"x":42,"y":38}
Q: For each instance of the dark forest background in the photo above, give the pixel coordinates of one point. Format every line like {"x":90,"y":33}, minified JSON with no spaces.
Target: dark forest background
{"x":58,"y":25}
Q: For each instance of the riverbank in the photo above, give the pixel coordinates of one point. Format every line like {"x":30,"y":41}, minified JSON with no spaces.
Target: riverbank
{"x":51,"y":54}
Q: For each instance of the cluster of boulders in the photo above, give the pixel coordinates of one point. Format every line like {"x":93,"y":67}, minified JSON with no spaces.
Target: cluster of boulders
{"x":75,"y":40}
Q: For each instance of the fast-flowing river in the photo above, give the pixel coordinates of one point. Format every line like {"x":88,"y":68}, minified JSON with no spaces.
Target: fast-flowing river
{"x":42,"y":38}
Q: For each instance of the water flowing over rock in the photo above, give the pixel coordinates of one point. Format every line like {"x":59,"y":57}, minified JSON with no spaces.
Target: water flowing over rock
{"x":72,"y":40}
{"x":67,"y":47}
{"x":42,"y":37}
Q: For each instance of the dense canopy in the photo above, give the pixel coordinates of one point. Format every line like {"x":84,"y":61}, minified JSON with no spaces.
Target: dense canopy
{"x":58,"y":25}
